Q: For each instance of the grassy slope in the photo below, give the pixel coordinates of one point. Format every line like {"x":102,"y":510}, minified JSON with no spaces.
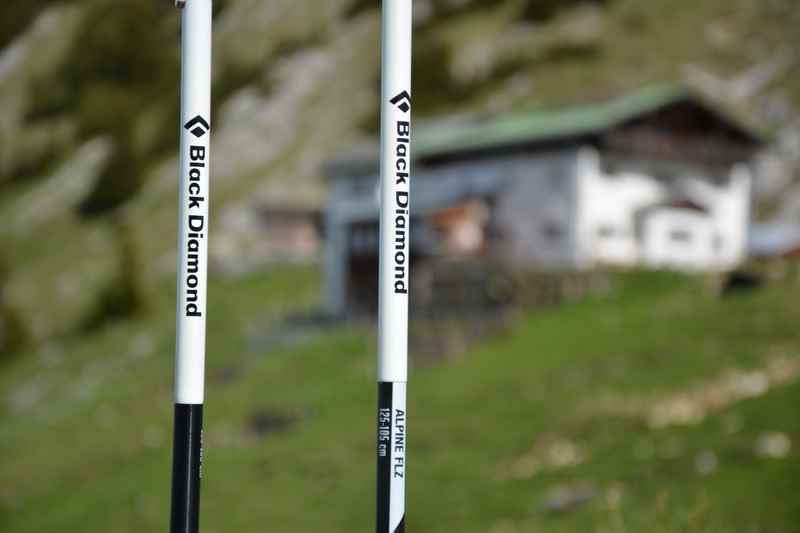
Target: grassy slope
{"x":93,"y":453}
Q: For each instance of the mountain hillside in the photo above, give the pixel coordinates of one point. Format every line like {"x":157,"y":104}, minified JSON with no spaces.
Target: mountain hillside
{"x":88,"y":125}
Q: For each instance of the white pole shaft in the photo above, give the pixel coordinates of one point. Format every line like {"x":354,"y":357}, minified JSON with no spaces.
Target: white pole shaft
{"x":194,"y":201}
{"x":395,"y":260}
{"x":395,"y":164}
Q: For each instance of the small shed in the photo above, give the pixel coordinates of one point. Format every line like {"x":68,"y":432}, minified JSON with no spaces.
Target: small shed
{"x":775,"y":241}
{"x":255,"y":235}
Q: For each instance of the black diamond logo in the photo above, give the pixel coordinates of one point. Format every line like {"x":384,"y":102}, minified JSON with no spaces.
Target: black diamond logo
{"x":402,"y":101}
{"x":197,"y":126}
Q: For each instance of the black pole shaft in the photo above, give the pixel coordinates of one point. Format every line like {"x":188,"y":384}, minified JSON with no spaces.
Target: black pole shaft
{"x":187,"y":463}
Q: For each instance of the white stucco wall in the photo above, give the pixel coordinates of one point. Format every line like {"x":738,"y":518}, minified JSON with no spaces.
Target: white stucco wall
{"x":734,"y":214}
{"x":608,"y":203}
{"x":606,"y":231}
{"x":678,"y":239}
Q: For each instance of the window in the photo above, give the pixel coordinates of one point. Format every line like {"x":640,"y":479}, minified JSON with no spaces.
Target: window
{"x":552,"y":231}
{"x":680,"y":235}
{"x":718,"y":243}
{"x":606,"y":231}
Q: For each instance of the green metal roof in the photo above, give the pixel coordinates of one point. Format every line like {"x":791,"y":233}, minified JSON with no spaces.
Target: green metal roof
{"x":547,"y":124}
{"x":455,"y":136}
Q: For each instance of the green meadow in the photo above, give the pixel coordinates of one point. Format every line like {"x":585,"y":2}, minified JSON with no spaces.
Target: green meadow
{"x":659,"y":406}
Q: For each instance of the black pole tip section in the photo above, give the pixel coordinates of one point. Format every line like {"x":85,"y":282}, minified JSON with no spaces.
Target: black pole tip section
{"x":187,"y":456}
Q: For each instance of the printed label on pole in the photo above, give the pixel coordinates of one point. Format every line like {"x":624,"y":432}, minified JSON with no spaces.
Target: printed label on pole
{"x":402,"y":214}
{"x":195,"y":222}
{"x":391,"y":447}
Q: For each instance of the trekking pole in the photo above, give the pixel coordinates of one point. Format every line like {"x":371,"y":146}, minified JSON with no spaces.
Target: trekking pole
{"x":395,"y":259}
{"x":192,"y":263}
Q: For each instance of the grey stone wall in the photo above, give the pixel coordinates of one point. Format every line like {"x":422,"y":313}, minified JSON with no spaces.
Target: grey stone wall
{"x":532,"y":219}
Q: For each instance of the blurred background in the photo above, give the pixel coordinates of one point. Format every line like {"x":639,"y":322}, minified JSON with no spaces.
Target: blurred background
{"x":605,"y":291}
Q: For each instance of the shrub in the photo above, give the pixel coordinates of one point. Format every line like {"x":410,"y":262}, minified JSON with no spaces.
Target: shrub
{"x":14,"y":333}
{"x":124,"y":294}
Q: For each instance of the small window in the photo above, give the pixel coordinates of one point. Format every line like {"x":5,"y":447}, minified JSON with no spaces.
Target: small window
{"x":610,"y":167}
{"x":680,"y":235}
{"x":606,"y":231}
{"x":552,"y":231}
{"x":718,"y":243}
{"x":361,"y":186}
